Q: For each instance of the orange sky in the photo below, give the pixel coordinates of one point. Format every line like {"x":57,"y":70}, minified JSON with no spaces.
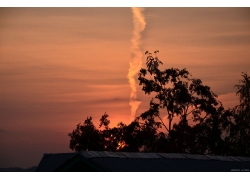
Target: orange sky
{"x":60,"y":65}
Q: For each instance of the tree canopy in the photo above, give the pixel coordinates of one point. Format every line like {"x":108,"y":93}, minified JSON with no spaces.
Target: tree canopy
{"x":238,"y":120}
{"x":204,"y":126}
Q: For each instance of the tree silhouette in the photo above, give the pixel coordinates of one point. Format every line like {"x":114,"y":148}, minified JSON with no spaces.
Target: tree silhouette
{"x":204,"y":126}
{"x":238,"y":120}
{"x":180,"y":95}
{"x":135,"y":137}
{"x":187,"y":99}
{"x":86,"y":137}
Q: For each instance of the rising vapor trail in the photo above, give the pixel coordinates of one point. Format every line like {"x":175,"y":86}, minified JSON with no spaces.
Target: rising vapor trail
{"x":136,"y":61}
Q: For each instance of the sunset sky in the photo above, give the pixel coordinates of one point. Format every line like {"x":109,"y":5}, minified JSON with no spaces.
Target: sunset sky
{"x":60,"y":65}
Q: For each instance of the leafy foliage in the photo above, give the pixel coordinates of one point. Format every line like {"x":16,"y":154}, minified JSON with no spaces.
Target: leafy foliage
{"x":134,"y":137}
{"x":204,"y":126}
{"x":187,"y":99}
{"x":177,"y":93}
{"x":238,"y":120}
{"x":86,"y":137}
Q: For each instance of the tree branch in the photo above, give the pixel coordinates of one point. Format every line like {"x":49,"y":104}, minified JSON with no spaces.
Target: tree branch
{"x":163,"y":123}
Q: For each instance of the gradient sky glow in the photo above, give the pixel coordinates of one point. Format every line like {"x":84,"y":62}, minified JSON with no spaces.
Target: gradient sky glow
{"x":60,"y":65}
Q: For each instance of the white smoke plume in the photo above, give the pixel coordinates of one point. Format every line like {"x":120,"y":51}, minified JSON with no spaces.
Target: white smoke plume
{"x":136,"y":61}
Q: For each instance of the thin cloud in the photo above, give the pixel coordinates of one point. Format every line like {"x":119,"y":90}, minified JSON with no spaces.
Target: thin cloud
{"x":136,"y":61}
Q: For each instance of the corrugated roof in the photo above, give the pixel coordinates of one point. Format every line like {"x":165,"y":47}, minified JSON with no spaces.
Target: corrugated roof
{"x":166,"y":165}
{"x":94,"y":154}
{"x":146,"y":162}
{"x":196,"y":156}
{"x":172,"y":155}
{"x":244,"y":158}
{"x":221,"y":158}
{"x":50,"y":162}
{"x":162,"y":162}
{"x":108,"y":154}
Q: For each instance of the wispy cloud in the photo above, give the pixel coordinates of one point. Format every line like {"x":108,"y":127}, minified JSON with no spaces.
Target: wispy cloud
{"x":136,"y":61}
